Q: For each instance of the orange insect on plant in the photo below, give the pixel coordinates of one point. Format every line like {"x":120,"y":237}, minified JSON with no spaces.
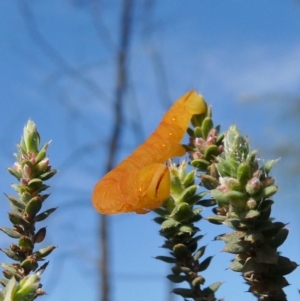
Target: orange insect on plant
{"x":141,"y":182}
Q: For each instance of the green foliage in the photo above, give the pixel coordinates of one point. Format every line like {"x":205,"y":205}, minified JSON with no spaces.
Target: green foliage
{"x":32,"y":168}
{"x":242,"y":190}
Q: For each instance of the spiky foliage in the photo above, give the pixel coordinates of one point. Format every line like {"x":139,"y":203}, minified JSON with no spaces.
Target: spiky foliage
{"x":177,"y":218}
{"x":242,"y":191}
{"x":32,"y":168}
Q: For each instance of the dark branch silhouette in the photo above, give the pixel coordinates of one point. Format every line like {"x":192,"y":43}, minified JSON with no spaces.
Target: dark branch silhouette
{"x":120,"y":90}
{"x":52,"y":54}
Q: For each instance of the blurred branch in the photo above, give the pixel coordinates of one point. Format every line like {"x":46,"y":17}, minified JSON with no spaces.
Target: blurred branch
{"x":100,"y":27}
{"x":120,"y":89}
{"x":50,"y":51}
{"x":155,"y":55}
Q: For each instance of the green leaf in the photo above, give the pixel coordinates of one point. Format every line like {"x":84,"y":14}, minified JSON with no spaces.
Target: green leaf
{"x":29,"y":265}
{"x":251,"y":267}
{"x":237,"y":199}
{"x":31,"y":137}
{"x":15,"y":173}
{"x":8,"y":267}
{"x":252,"y":214}
{"x":279,"y":238}
{"x":217,"y":220}
{"x":3,"y":282}
{"x":231,"y":237}
{"x":219,"y":197}
{"x":184,"y":229}
{"x":27,"y":288}
{"x":44,"y":214}
{"x":169,"y":223}
{"x":182,"y":212}
{"x":159,"y":219}
{"x":200,"y":164}
{"x":244,"y":173}
{"x":181,"y":250}
{"x":209,"y":182}
{"x":42,"y":154}
{"x":268,"y":191}
{"x":207,"y":203}
{"x":205,"y":263}
{"x":237,"y":247}
{"x":199,"y":253}
{"x":269,"y":165}
{"x":9,"y":289}
{"x":266,"y":254}
{"x":211,"y":152}
{"x":183,"y":292}
{"x":33,"y":206}
{"x":14,"y":256}
{"x":198,"y":281}
{"x":273,"y":229}
{"x":187,"y":194}
{"x":265,"y":205}
{"x":44,"y":251}
{"x":177,"y":278}
{"x":198,"y":132}
{"x":192,"y":244}
{"x":26,"y":243}
{"x":189,"y":179}
{"x":236,"y":266}
{"x":235,"y":224}
{"x":166,"y":259}
{"x":198,"y":119}
{"x":177,"y":270}
{"x":48,"y":175}
{"x":212,"y":288}
{"x":16,"y":202}
{"x":206,"y":126}
{"x":17,"y":219}
{"x":25,"y":197}
{"x":225,"y":168}
{"x":284,"y":266}
{"x":35,"y":183}
{"x":160,"y":211}
{"x":10,"y":232}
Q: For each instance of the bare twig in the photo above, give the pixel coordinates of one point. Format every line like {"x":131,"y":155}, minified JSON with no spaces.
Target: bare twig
{"x":121,"y":85}
{"x":155,"y":55}
{"x":51,"y":53}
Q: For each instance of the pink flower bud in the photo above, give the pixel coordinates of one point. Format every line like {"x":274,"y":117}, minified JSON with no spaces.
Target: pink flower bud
{"x":24,"y":181}
{"x":251,"y":204}
{"x":212,"y":136}
{"x":27,"y":172}
{"x":253,"y":186}
{"x":17,"y":167}
{"x":44,"y":165}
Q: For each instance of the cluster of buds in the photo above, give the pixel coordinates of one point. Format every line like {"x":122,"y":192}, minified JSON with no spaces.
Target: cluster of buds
{"x":31,"y":169}
{"x":177,"y":218}
{"x":244,"y":189}
{"x":205,"y":142}
{"x":243,"y":198}
{"x":241,"y":192}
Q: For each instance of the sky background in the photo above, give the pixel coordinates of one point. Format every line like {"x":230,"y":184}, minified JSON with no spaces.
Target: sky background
{"x":58,"y":67}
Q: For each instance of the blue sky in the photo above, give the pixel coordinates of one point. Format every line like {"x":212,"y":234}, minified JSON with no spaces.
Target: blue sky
{"x":243,"y":56}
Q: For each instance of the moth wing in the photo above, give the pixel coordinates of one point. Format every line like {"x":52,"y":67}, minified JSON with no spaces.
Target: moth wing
{"x":106,"y":196}
{"x":178,"y":116}
{"x":162,"y":151}
{"x":170,"y":132}
{"x":154,"y":185}
{"x":194,"y":103}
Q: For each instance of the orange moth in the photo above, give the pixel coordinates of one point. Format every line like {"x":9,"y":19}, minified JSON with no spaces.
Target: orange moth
{"x":141,"y":182}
